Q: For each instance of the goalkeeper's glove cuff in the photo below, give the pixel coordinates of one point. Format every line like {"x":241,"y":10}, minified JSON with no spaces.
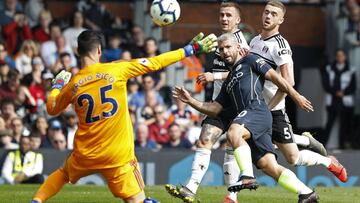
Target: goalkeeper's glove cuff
{"x":59,"y":84}
{"x":191,"y":49}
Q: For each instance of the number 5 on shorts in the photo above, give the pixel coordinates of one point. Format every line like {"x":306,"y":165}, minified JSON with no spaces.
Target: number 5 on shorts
{"x":287,"y":133}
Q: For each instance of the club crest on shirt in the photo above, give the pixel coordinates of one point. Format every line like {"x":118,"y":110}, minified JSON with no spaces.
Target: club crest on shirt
{"x":260,"y":61}
{"x":265,"y":49}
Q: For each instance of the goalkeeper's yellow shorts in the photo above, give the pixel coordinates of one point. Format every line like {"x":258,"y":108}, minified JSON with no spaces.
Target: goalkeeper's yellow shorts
{"x":123,"y":181}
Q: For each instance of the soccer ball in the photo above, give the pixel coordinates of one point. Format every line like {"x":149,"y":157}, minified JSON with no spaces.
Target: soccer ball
{"x":164,"y":12}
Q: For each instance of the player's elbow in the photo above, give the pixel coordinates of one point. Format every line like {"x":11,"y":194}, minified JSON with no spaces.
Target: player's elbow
{"x":213,"y":114}
{"x":51,"y":111}
{"x":292,"y":82}
{"x":216,"y":111}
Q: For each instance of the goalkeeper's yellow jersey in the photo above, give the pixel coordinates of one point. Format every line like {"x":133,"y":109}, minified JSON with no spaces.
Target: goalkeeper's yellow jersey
{"x":104,"y":138}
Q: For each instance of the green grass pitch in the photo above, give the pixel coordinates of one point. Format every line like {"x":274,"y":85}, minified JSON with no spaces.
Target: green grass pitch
{"x":99,"y":194}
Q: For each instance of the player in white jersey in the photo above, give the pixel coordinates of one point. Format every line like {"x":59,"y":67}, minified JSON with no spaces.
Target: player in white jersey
{"x":213,"y":128}
{"x":271,"y":46}
{"x":275,"y":49}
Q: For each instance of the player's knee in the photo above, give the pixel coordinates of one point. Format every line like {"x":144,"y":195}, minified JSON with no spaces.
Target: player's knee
{"x":231,"y":133}
{"x":200,"y":144}
{"x":204,"y":142}
{"x":268,"y":165}
{"x":292,"y":158}
{"x":208,"y":137}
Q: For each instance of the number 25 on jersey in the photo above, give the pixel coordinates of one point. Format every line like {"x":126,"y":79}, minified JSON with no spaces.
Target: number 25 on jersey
{"x":90,"y":118}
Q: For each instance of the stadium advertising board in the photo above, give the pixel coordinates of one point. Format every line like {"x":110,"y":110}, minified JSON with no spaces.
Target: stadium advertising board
{"x":174,"y":166}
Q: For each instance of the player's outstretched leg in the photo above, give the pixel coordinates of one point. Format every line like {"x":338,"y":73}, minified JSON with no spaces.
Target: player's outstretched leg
{"x":337,"y":169}
{"x":236,"y":135}
{"x":208,"y":136}
{"x":307,"y":141}
{"x":310,"y":158}
{"x":181,"y":192}
{"x":286,"y":178}
{"x":51,"y":186}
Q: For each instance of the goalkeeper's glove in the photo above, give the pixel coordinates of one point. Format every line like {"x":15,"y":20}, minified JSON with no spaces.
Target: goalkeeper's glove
{"x":201,"y":45}
{"x":61,"y":79}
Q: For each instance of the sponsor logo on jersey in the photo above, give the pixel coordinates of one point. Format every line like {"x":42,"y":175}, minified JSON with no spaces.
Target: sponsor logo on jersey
{"x":238,"y":67}
{"x":218,"y":62}
{"x":284,"y":51}
{"x":236,"y":77}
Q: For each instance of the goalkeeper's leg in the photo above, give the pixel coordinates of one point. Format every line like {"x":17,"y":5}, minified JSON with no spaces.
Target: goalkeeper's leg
{"x":51,"y":186}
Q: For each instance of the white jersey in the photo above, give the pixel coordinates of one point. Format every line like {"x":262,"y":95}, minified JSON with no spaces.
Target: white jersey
{"x":219,"y":64}
{"x":276,"y":51}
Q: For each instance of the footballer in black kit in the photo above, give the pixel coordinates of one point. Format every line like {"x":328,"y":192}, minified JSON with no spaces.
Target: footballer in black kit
{"x":243,"y":90}
{"x":223,"y":120}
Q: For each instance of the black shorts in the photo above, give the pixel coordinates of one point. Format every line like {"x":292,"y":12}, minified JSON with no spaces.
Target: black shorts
{"x":222,"y":121}
{"x":257,"y":119}
{"x":282,"y":129}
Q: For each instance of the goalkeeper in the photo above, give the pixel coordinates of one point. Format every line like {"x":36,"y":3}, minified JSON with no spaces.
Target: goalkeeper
{"x":104,"y":141}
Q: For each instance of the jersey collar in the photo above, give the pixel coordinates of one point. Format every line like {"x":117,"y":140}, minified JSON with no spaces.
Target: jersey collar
{"x":277,"y":34}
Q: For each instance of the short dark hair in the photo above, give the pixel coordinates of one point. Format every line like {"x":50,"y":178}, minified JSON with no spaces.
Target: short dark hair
{"x":277,"y":4}
{"x":35,"y":134}
{"x":7,"y":101}
{"x":88,"y":41}
{"x":232,"y":4}
{"x":54,"y":23}
{"x":13,"y":73}
{"x":150,"y":39}
{"x":64,"y":54}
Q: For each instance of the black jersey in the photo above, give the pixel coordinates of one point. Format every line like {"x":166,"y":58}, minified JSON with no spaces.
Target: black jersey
{"x":245,"y":83}
{"x":219,"y":64}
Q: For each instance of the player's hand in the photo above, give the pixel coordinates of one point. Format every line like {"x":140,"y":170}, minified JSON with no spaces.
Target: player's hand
{"x":204,"y":78}
{"x":182,"y":94}
{"x":61,"y":79}
{"x":339,"y":94}
{"x":201,"y":45}
{"x":305,"y":104}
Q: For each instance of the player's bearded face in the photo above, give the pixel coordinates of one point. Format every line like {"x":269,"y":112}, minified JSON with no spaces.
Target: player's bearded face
{"x":228,"y":52}
{"x":229,"y":19}
{"x":272,"y":17}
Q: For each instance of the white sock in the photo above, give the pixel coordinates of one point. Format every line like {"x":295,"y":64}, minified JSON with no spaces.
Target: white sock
{"x":231,"y":171}
{"x":199,"y":167}
{"x":301,"y":140}
{"x":310,"y":158}
{"x":243,"y":158}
